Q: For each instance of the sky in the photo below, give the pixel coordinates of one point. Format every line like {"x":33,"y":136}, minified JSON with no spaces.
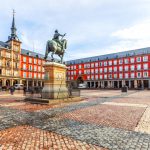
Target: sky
{"x":92,"y":27}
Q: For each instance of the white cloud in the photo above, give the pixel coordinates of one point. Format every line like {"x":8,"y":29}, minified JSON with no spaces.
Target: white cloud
{"x":134,"y":37}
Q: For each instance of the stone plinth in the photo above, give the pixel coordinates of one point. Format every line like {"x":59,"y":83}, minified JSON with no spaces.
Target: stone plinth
{"x":55,"y":81}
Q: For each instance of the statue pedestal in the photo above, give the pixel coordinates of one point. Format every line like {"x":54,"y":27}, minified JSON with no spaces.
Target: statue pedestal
{"x":55,"y":81}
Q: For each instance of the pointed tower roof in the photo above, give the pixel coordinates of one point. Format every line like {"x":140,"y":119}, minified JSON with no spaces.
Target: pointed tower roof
{"x":13,"y":35}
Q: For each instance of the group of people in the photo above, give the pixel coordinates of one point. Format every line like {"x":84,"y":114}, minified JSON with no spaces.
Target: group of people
{"x":31,"y":90}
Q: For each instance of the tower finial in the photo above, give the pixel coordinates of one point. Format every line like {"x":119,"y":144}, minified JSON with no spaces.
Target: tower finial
{"x":13,"y":28}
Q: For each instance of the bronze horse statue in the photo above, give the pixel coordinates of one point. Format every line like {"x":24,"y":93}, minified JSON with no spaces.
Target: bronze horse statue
{"x":56,"y":48}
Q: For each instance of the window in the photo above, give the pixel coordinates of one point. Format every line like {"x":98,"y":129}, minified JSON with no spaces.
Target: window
{"x":105,"y":76}
{"x":35,"y":75}
{"x":110,"y":63}
{"x":138,"y":74}
{"x":30,"y":75}
{"x":105,"y":69}
{"x":145,"y":74}
{"x":126,"y":75}
{"x":42,"y":76}
{"x":92,"y":71}
{"x":126,"y":68}
{"x":132,"y":75}
{"x":145,"y":66}
{"x":105,"y":63}
{"x":35,"y":68}
{"x":139,"y":67}
{"x":72,"y":72}
{"x":24,"y":66}
{"x":132,"y":60}
{"x":100,"y":64}
{"x":101,"y":70}
{"x":120,"y":61}
{"x":8,"y":73}
{"x":24,"y":59}
{"x":74,"y":67}
{"x":101,"y":77}
{"x":85,"y":71}
{"x":96,"y":70}
{"x":138,"y":59}
{"x":85,"y":65}
{"x":35,"y":61}
{"x":145,"y":58}
{"x":88,"y":77}
{"x":92,"y":77}
{"x":120,"y":68}
{"x":115,"y":76}
{"x":110,"y":76}
{"x":79,"y":66}
{"x":39,"y":75}
{"x":115,"y":69}
{"x":30,"y":60}
{"x":88,"y":65}
{"x":96,"y":64}
{"x":110,"y":69}
{"x":126,"y":61}
{"x":39,"y":62}
{"x":30,"y":67}
{"x":88,"y":71}
{"x":132,"y":67}
{"x":120,"y":75}
{"x":39,"y":68}
{"x":115,"y":62}
{"x":92,"y":65}
{"x":24,"y":74}
{"x":8,"y":55}
{"x":80,"y":72}
{"x":96,"y":77}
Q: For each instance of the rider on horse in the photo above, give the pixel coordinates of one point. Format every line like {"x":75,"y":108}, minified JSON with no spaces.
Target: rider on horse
{"x":56,"y":38}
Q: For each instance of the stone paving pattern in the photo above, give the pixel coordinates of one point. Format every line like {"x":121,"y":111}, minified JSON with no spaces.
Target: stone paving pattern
{"x":92,"y":124}
{"x":30,"y":138}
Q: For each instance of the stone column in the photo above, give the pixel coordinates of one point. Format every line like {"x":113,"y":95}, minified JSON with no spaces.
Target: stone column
{"x":142,"y":84}
{"x":27,"y":84}
{"x":11,"y":82}
{"x":3,"y":82}
{"x":117,"y":84}
{"x":20,"y":82}
{"x":149,"y":83}
{"x":135,"y":83}
{"x":123,"y":83}
{"x":129,"y":83}
{"x":112,"y":84}
{"x":41,"y":83}
{"x":102,"y":84}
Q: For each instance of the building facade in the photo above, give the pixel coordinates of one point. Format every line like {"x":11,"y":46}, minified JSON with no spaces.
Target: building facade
{"x":17,"y":65}
{"x":130,"y":68}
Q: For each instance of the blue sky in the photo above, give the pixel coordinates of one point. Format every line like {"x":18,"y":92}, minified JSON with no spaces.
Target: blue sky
{"x":93,"y":27}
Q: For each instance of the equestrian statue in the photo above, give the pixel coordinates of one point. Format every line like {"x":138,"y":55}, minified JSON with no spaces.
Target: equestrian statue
{"x":56,"y":46}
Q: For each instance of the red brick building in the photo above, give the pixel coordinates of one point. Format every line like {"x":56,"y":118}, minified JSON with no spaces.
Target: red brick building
{"x":115,"y":70}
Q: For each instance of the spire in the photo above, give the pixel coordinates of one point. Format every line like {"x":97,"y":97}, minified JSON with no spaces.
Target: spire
{"x":13,"y":29}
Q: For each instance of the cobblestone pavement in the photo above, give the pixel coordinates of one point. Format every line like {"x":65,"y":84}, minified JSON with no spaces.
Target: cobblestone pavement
{"x":27,"y":138}
{"x":92,"y":124}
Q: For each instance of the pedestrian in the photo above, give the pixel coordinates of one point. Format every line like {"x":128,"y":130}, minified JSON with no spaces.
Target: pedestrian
{"x":12,"y":89}
{"x":24,"y":90}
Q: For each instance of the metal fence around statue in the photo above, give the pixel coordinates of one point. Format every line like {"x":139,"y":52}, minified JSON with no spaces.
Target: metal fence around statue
{"x":36,"y":92}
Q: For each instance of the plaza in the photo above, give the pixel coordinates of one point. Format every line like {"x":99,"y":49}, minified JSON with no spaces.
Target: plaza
{"x":101,"y":120}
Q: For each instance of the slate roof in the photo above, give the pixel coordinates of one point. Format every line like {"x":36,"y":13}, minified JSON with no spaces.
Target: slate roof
{"x":33,"y":54}
{"x":3,"y":44}
{"x":111,"y":56}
